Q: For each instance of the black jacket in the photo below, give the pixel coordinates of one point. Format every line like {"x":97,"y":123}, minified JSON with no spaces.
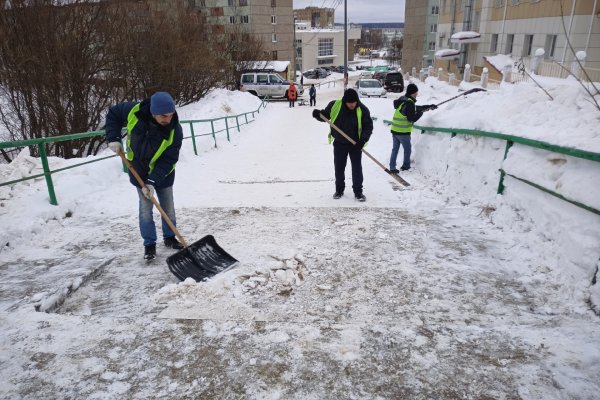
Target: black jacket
{"x":146,"y":138}
{"x":348,"y":122}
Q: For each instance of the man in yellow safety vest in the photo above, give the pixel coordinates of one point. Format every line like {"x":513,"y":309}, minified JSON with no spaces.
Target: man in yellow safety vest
{"x":405,"y":115}
{"x":154,"y":138}
{"x":354,"y":119}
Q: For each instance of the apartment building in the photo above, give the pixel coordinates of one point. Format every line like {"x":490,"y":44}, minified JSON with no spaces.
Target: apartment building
{"x":318,"y":17}
{"x":518,"y":28}
{"x":272,"y":21}
{"x":420,"y":34}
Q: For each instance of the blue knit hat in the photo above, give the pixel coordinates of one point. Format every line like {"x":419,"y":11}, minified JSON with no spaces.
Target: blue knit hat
{"x":161,"y":103}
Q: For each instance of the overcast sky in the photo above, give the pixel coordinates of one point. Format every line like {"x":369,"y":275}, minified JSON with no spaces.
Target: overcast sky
{"x":360,"y":10}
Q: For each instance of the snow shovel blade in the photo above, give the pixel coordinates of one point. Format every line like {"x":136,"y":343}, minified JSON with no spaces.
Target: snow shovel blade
{"x":200,"y":260}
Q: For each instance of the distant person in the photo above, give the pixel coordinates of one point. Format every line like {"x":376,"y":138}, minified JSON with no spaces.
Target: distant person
{"x":292,"y":94}
{"x":354,"y":119}
{"x":406,"y":114}
{"x":154,"y":138}
{"x":312,"y":93}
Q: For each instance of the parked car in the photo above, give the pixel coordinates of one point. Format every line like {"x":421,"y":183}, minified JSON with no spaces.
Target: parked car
{"x":366,"y":74}
{"x":380,"y":75}
{"x":263,"y":84}
{"x":394,"y":82}
{"x":370,"y":88}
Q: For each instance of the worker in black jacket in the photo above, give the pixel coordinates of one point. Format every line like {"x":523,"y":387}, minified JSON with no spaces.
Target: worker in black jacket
{"x":405,"y":115}
{"x":354,"y":119}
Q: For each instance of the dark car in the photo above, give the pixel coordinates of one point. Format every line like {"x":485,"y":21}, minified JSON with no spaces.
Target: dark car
{"x":380,"y":75}
{"x":394,"y":82}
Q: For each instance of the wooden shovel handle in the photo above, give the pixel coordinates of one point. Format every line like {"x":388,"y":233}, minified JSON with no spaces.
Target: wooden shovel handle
{"x":396,"y":177}
{"x":153,"y":200}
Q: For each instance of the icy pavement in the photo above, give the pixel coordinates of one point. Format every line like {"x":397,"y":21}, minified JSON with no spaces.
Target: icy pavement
{"x":353,"y":303}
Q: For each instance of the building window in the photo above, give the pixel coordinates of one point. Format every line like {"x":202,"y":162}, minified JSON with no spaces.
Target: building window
{"x":431,"y":46}
{"x":499,"y":3}
{"x":274,"y":55}
{"x":494,"y":44}
{"x":243,"y":19}
{"x":232,"y":19}
{"x":325,"y":61}
{"x":299,"y":48}
{"x":527,"y":45}
{"x":273,"y":19}
{"x":231,"y":3}
{"x":509,"y":44}
{"x":200,"y":3}
{"x":515,"y":2}
{"x":243,"y":2}
{"x":273,"y":3}
{"x":435,"y":10}
{"x":433,"y":28}
{"x":325,"y":47}
{"x":550,"y":46}
{"x":273,"y":37}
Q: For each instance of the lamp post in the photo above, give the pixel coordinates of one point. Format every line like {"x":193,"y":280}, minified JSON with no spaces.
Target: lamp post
{"x":345,"y":44}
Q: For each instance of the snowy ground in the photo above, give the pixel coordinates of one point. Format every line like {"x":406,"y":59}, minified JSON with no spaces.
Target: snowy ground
{"x":443,"y":290}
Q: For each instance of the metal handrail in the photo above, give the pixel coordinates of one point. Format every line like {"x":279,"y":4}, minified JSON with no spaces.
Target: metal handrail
{"x":512,"y":139}
{"x":42,"y":142}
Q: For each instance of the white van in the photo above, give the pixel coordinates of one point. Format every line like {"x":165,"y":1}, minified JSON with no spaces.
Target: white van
{"x":263,"y":84}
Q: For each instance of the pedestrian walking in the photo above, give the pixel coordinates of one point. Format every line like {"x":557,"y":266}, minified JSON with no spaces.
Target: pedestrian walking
{"x":312,"y":93}
{"x":354,"y":119}
{"x":292,"y":94}
{"x":406,"y":114}
{"x":154,"y":138}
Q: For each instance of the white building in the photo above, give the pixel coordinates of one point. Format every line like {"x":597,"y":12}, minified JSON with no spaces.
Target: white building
{"x":317,"y":47}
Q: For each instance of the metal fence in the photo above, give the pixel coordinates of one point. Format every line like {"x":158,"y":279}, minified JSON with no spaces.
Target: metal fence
{"x":510,"y":141}
{"x":217,"y":125}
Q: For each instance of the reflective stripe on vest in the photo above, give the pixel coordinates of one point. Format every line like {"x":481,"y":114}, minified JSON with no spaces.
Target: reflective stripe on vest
{"x":132,"y":121}
{"x":335,"y":111}
{"x":401,"y":124}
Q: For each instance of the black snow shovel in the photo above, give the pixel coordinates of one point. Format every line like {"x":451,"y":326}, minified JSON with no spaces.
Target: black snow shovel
{"x":460,"y":95}
{"x":395,"y":176}
{"x":200,"y":260}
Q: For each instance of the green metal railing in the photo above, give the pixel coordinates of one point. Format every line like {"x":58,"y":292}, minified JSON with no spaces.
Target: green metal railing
{"x":510,"y":140}
{"x":41,"y":143}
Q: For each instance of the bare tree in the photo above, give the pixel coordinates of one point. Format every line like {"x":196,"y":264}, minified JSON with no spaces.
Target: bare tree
{"x":50,"y":62}
{"x":62,"y":64}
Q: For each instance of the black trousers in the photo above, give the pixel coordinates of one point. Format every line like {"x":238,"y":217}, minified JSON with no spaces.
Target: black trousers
{"x":341,"y":152}
{"x":313,"y":100}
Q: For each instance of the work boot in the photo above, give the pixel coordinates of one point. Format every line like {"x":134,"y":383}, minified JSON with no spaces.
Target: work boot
{"x":360,"y":197}
{"x":405,"y":168}
{"x":394,"y":171}
{"x":150,"y":252}
{"x":337,"y":195}
{"x":172,"y":243}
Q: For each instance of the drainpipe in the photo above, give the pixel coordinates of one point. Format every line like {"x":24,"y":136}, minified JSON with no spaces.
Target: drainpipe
{"x":587,"y":43}
{"x":503,"y":23}
{"x":569,"y":31}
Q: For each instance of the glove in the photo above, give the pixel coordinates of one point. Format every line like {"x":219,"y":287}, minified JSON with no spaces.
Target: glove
{"x":359,"y":144}
{"x":117,"y":147}
{"x":431,"y":107}
{"x":148,"y":191}
{"x":317,"y":114}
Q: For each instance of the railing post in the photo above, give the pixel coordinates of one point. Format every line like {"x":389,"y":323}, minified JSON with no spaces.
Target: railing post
{"x":509,"y":144}
{"x":193,"y":138}
{"x":484,"y":78}
{"x":237,"y":123}
{"x":467,"y":73}
{"x":212,"y":128}
{"x":47,"y":173}
{"x":246,"y":116}
{"x":227,"y":128}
